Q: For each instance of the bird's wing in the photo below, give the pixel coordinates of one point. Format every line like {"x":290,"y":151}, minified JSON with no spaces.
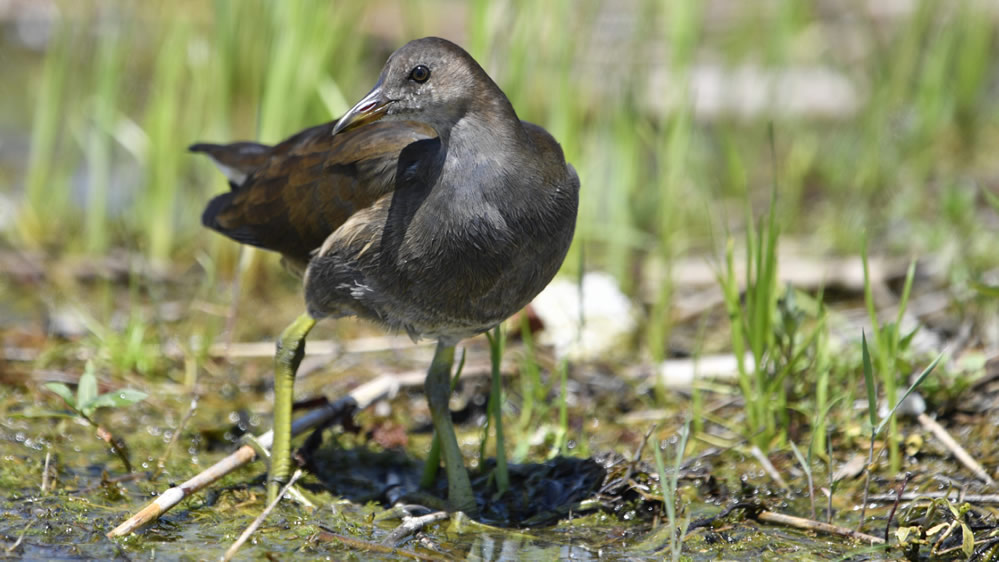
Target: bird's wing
{"x":309,"y":185}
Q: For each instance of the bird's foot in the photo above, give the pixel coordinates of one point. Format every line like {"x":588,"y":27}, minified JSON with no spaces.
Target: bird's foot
{"x":461,"y":498}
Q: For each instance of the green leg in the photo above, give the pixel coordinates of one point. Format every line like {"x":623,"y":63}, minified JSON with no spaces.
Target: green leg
{"x":290,"y":350}
{"x":434,"y":456}
{"x":438,"y":391}
{"x":497,"y":339}
{"x":433,"y":461}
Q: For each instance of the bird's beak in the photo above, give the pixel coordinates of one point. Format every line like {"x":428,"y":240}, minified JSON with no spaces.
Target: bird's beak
{"x":371,"y":108}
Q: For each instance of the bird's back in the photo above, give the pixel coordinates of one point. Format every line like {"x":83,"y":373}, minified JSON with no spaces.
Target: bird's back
{"x":290,"y":197}
{"x":457,"y":250}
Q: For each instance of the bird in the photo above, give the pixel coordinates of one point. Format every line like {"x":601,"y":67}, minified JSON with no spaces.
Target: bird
{"x":429,"y":207}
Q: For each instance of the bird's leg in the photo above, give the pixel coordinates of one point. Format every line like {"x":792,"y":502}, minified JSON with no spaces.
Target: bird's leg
{"x":290,"y":350}
{"x":496,"y":342}
{"x":434,"y":456}
{"x":438,"y":391}
{"x":432,"y":464}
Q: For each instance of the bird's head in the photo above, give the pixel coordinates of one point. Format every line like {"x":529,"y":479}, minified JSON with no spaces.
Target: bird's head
{"x":430,"y":80}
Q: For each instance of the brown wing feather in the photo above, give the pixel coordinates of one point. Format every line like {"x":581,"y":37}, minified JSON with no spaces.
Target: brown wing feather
{"x":310,"y":184}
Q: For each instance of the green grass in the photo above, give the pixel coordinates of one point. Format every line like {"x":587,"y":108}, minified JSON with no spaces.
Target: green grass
{"x":44,"y":184}
{"x":676,"y":526}
{"x":890,"y":347}
{"x":652,"y":183}
{"x":889,"y":420}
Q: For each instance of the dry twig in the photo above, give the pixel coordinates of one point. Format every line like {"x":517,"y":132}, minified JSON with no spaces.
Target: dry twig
{"x":260,"y":518}
{"x":952,"y":496}
{"x":45,"y":472}
{"x":768,"y":467}
{"x":20,"y":537}
{"x":818,"y":526}
{"x":955,"y":448}
{"x":359,"y":398}
{"x":412,"y":525}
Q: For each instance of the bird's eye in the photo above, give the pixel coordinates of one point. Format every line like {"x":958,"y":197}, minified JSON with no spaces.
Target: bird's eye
{"x":419,"y":74}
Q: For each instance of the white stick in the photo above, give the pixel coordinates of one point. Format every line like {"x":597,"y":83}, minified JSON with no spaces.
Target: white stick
{"x":361,"y":397}
{"x":260,"y":518}
{"x":955,"y":448}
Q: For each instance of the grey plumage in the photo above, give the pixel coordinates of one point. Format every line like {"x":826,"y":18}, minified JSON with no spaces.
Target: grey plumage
{"x":428,"y":207}
{"x":454,"y":229}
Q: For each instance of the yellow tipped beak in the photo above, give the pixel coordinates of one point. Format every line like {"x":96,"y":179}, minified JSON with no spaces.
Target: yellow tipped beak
{"x":371,"y":108}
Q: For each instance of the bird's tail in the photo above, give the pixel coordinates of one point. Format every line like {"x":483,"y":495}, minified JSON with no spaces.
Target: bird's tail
{"x":237,"y":160}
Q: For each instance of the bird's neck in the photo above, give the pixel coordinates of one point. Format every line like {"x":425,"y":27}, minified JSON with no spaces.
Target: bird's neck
{"x":487,"y":126}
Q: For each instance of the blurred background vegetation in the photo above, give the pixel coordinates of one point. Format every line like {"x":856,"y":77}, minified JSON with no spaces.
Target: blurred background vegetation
{"x":885,"y":114}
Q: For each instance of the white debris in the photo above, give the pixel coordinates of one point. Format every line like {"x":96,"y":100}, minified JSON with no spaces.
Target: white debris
{"x":608,"y":316}
{"x":7,"y":213}
{"x":748,"y":91}
{"x":682,"y":373}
